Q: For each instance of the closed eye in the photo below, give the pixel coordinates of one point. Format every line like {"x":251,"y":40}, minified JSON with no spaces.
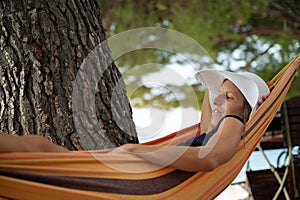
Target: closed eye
{"x":228,"y":96}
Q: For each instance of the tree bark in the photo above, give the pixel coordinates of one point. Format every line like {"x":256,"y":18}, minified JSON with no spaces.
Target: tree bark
{"x":43,"y":45}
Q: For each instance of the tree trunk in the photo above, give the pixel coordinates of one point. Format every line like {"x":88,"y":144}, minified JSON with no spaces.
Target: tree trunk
{"x":43,"y":45}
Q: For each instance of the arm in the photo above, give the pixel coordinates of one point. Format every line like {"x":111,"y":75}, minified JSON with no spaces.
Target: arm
{"x":220,"y":149}
{"x":205,"y":113}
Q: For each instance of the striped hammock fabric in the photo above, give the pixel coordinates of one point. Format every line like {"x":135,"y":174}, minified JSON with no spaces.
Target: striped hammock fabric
{"x":96,"y":175}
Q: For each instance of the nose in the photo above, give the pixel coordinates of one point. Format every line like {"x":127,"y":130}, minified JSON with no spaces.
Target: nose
{"x":218,"y":100}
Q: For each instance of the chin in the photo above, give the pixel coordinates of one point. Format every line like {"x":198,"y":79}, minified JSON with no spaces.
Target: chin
{"x":215,"y":119}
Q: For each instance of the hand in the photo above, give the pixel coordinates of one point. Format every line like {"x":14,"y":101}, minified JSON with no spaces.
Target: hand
{"x":264,"y":97}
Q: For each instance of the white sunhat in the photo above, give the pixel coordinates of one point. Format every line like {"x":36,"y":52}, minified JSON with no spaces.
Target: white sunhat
{"x":252,"y":86}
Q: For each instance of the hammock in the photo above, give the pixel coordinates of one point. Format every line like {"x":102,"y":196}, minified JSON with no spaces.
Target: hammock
{"x":81,"y":175}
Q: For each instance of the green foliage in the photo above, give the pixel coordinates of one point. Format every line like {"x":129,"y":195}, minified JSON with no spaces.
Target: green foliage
{"x":256,"y":35}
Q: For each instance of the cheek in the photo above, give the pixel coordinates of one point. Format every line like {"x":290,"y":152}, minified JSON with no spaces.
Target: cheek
{"x":235,"y":107}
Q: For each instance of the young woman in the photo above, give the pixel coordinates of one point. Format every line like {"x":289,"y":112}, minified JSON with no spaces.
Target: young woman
{"x":229,"y":101}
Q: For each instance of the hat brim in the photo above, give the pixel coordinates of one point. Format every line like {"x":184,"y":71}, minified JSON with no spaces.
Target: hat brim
{"x":213,"y":80}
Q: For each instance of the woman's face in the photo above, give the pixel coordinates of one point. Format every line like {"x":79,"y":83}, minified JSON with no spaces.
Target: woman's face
{"x":230,"y":100}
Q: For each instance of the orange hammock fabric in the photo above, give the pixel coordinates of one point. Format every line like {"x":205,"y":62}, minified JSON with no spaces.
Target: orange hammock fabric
{"x":86,"y":175}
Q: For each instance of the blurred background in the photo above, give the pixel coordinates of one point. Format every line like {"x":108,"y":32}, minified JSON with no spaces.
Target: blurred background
{"x":257,"y":35}
{"x":260,"y":36}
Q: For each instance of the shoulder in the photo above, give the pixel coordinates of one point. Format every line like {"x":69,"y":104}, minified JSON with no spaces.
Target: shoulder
{"x":231,"y":126}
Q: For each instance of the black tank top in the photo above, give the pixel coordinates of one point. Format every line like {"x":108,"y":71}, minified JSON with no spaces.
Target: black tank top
{"x":202,"y":139}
